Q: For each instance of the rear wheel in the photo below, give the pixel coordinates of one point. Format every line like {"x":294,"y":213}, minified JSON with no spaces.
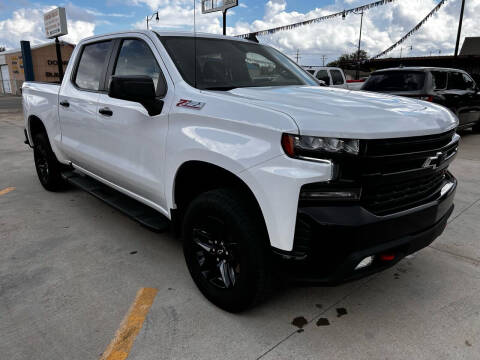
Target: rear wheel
{"x":46,"y":163}
{"x":225,"y":250}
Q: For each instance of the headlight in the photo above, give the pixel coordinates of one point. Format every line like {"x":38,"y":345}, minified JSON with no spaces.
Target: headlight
{"x":300,"y":146}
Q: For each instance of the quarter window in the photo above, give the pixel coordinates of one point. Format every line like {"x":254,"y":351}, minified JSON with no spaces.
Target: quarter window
{"x":136,"y":58}
{"x":91,"y":65}
{"x":337,"y":77}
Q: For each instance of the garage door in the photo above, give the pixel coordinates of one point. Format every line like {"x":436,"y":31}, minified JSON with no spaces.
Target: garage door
{"x":6,"y":79}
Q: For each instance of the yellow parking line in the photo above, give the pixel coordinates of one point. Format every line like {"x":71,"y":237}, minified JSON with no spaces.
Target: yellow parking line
{"x":130,"y":326}
{"x":6,"y":190}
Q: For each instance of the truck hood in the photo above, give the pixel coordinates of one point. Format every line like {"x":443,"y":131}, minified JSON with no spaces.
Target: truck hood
{"x":321,"y":111}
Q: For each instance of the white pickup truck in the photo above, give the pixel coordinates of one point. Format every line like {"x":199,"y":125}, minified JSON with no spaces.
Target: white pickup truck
{"x":261,"y":170}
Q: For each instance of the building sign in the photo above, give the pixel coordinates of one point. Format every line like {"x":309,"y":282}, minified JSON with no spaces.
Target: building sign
{"x":55,"y":23}
{"x":209,"y":6}
{"x":55,"y":62}
{"x":17,"y":64}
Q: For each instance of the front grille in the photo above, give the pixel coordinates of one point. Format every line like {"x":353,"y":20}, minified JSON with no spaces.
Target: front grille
{"x":397,"y":196}
{"x":394,"y":174}
{"x":408,"y":145}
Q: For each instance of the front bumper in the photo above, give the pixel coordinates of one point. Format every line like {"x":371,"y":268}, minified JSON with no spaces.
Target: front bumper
{"x":330,"y":241}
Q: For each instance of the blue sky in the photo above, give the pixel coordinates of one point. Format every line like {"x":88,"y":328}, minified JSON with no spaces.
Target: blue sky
{"x":22,"y":20}
{"x":135,"y":11}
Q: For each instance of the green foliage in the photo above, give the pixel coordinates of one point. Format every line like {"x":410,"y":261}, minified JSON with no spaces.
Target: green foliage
{"x":349,"y":60}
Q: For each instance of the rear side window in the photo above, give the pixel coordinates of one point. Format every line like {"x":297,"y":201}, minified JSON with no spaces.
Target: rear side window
{"x":395,"y":81}
{"x":136,"y":58}
{"x":91,"y":65}
{"x":337,"y":77}
{"x":439,"y":80}
{"x":323,"y":75}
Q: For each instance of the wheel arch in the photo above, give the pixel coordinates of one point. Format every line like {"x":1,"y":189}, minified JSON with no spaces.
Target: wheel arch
{"x":195,"y":177}
{"x":35,"y":126}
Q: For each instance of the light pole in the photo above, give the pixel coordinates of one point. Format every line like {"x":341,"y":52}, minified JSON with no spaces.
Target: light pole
{"x":149,"y":18}
{"x":357,"y":75}
{"x":459,"y":28}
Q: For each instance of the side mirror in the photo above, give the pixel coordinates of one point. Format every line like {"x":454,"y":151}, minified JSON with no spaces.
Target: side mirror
{"x":321,"y":82}
{"x":137,"y":88}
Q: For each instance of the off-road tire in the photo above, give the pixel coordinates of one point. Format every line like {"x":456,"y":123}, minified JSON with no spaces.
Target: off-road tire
{"x":244,"y":229}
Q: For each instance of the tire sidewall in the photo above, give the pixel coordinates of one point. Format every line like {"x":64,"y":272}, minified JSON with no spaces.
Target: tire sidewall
{"x":244,"y":231}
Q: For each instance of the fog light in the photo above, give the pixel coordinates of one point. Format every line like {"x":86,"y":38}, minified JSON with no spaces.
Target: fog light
{"x":364,"y":263}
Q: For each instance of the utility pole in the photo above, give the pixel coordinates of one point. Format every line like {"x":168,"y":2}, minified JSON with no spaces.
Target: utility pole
{"x":297,"y":56}
{"x":459,"y":28}
{"x":224,"y":22}
{"x":357,"y":75}
{"x":323,"y":59}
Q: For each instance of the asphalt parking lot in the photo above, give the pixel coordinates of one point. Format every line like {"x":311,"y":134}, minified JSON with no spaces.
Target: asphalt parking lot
{"x":71,"y":266}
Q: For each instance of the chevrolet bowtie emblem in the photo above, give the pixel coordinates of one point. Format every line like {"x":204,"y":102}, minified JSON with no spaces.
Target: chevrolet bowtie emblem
{"x":433,"y":161}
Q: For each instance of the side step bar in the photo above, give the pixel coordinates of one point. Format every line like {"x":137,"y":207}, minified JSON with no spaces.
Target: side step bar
{"x":144,"y":214}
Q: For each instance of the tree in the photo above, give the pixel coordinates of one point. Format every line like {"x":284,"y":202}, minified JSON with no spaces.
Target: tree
{"x":347,"y":61}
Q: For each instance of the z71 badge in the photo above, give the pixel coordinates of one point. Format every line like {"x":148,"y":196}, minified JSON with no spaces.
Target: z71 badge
{"x":197,"y":105}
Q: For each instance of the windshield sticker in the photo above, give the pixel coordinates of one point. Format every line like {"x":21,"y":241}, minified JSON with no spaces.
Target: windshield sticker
{"x":197,"y":105}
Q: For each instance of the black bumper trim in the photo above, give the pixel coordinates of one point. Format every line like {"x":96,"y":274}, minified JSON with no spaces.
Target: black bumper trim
{"x":341,"y":237}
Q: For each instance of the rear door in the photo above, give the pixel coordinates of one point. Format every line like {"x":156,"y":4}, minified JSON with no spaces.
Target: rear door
{"x":78,"y":104}
{"x":132,"y":146}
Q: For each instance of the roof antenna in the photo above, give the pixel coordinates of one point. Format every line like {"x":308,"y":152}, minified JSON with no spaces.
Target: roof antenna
{"x":195,"y":43}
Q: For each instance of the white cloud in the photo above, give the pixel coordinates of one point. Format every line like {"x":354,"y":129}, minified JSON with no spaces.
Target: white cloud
{"x":382,"y":26}
{"x":27,"y":24}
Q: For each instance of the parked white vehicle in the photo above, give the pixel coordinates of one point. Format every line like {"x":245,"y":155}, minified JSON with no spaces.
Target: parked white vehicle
{"x":332,"y":76}
{"x":262,"y":170}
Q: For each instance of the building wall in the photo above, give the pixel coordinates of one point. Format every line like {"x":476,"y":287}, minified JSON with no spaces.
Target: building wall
{"x":44,"y":61}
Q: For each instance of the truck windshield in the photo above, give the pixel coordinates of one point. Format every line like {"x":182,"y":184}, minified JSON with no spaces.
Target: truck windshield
{"x":395,"y":81}
{"x":228,"y":64}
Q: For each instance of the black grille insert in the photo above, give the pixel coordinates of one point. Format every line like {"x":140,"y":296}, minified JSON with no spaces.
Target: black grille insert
{"x":388,"y":198}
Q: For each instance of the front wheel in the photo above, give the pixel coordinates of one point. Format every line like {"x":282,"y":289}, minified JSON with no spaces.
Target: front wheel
{"x":225,"y":250}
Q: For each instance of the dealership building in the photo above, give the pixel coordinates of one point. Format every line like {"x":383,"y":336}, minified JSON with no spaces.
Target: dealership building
{"x":45,"y":68}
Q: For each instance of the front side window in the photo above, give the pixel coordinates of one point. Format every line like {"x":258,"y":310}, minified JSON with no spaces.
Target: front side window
{"x":311,"y":71}
{"x":439,"y":80}
{"x":337,"y":77}
{"x":91,"y":64}
{"x":395,"y":81}
{"x":323,"y":75}
{"x":136,"y":58}
{"x":470,"y":84}
{"x":226,"y":64}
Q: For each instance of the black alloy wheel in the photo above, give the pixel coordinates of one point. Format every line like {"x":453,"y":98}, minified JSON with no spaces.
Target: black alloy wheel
{"x":217,"y":253}
{"x":226,"y":249}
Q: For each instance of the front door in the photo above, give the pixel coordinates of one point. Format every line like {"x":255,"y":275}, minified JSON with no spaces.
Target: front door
{"x":462,"y":97}
{"x":132,"y":145}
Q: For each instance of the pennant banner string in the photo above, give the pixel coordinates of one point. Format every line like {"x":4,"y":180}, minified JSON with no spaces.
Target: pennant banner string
{"x":316,"y":20}
{"x":417,"y":27}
